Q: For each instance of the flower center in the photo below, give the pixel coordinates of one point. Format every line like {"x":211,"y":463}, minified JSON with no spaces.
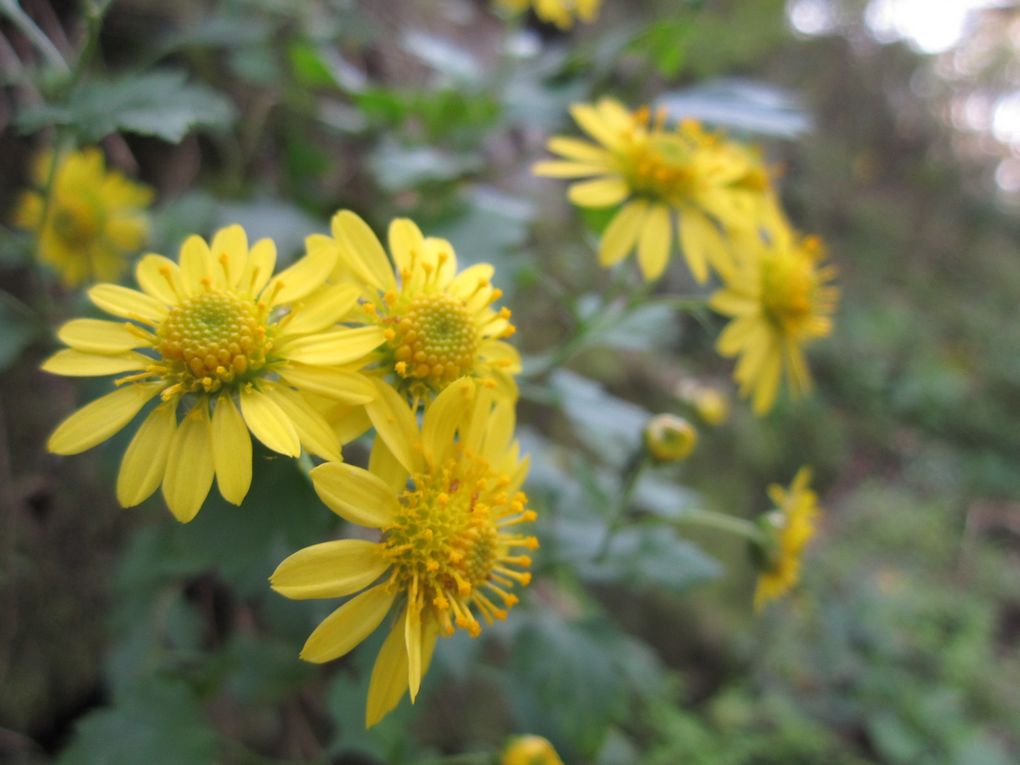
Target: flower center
{"x":788,"y":289}
{"x":76,"y":222}
{"x":448,"y":544}
{"x":661,"y":165}
{"x":435,"y":341}
{"x":213,"y":339}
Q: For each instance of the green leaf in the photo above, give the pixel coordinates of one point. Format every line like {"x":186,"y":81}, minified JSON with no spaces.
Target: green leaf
{"x":160,"y":104}
{"x":156,"y":722}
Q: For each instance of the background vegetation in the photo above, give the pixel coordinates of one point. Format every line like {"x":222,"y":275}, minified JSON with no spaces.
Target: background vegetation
{"x":125,"y":637}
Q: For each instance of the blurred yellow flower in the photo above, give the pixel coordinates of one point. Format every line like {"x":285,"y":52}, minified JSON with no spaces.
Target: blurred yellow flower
{"x":214,"y":332}
{"x":789,"y":528}
{"x":708,"y":401}
{"x":780,"y":298}
{"x":683,"y":178}
{"x":530,"y":750}
{"x":439,"y":325}
{"x":95,"y":221}
{"x":446,"y":499}
{"x":562,"y":13}
{"x":670,"y":438}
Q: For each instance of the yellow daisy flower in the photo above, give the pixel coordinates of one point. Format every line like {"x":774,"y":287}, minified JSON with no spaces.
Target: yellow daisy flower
{"x":562,"y":13}
{"x":789,"y":526}
{"x":439,"y":324}
{"x":445,"y":498}
{"x":683,"y":178}
{"x":213,"y":333}
{"x":780,"y":298}
{"x":95,"y":219}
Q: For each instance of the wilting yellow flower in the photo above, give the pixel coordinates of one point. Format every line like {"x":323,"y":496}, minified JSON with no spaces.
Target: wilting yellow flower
{"x":562,"y":13}
{"x":670,"y":438}
{"x":780,"y":298}
{"x":788,"y":527}
{"x":439,"y":325}
{"x":530,"y":750}
{"x":95,"y":219}
{"x":446,"y":500}
{"x":683,"y":178}
{"x":216,"y":331}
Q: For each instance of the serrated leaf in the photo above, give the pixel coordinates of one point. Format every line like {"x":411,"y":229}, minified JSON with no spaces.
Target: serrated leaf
{"x":160,"y":104}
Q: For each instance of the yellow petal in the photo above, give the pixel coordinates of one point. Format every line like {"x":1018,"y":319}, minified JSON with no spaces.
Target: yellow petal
{"x":382,"y":464}
{"x":653,"y":247}
{"x":412,"y":642}
{"x":703,"y":245}
{"x":72,"y":363}
{"x":161,"y":278}
{"x":229,"y":250}
{"x":343,"y":629}
{"x":269,"y":423}
{"x":97,"y":421}
{"x":467,"y":281}
{"x":127,"y":303}
{"x":476,"y":423}
{"x":443,"y":417}
{"x":594,"y":125}
{"x":732,"y":303}
{"x":340,"y":346}
{"x":231,"y":450}
{"x":396,"y":425}
{"x":556,"y":169}
{"x":321,"y":310}
{"x":304,"y":277}
{"x":389,"y":677}
{"x":355,"y":494}
{"x":622,"y":232}
{"x":144,"y":463}
{"x":500,"y":429}
{"x":189,"y":465}
{"x":258,"y":269}
{"x":602,"y":192}
{"x":360,"y":242}
{"x":405,"y":238}
{"x":581,"y":151}
{"x":767,"y":384}
{"x":196,"y":265}
{"x":313,"y":431}
{"x":329,"y":570}
{"x":99,"y":336}
{"x":331,"y":382}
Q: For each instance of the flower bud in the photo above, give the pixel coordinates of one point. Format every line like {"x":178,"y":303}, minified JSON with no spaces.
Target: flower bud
{"x":670,"y":438}
{"x":530,"y":750}
{"x":709,"y":402}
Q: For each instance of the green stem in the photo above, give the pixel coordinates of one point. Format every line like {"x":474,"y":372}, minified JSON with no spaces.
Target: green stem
{"x":12,"y":10}
{"x":630,"y":481}
{"x":708,"y":519}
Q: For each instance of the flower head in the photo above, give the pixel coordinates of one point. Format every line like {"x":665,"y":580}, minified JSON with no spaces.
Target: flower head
{"x":439,"y":324}
{"x":95,"y":219}
{"x":709,"y":402}
{"x":780,"y":297}
{"x":446,"y":500}
{"x":562,"y":13}
{"x":705,"y":183}
{"x":530,"y":750}
{"x":670,"y":438}
{"x":204,"y":336}
{"x":788,"y":528}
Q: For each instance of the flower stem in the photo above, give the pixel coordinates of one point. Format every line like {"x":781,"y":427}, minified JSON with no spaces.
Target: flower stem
{"x":630,"y":481}
{"x":13,"y":11}
{"x":708,"y":519}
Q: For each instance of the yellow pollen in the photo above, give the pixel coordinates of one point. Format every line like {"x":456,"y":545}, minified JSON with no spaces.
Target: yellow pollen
{"x":210,"y":340}
{"x":439,"y":335}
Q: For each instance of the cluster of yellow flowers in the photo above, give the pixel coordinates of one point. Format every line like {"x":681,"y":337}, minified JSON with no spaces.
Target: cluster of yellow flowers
{"x":715,"y":197}
{"x":221,"y":348}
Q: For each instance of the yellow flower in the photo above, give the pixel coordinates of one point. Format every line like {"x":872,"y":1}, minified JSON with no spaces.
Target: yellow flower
{"x":708,"y":402}
{"x":698,"y":179}
{"x":216,"y":331}
{"x":95,"y":219}
{"x":789,"y":527}
{"x":530,"y":750}
{"x":780,"y":298}
{"x":439,"y":324}
{"x":562,"y":13}
{"x":670,"y":438}
{"x":446,"y":499}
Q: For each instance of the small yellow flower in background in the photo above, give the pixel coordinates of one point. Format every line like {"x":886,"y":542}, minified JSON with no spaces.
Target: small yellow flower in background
{"x":439,"y":325}
{"x":214,"y":333}
{"x":707,"y":401}
{"x":446,"y":499}
{"x":683,"y":181}
{"x":789,"y":527}
{"x":780,"y":297}
{"x":95,"y":221}
{"x":670,"y":438}
{"x":530,"y":750}
{"x":562,"y":13}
